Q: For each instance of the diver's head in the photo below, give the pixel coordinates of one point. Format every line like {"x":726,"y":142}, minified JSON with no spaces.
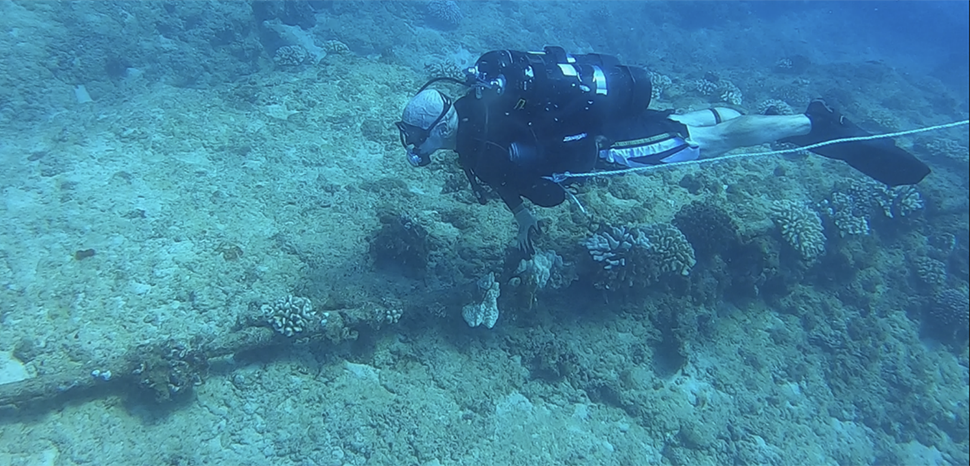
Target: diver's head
{"x":429,"y":123}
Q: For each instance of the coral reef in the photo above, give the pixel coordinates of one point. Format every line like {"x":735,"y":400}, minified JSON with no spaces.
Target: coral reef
{"x":388,"y":315}
{"x":401,"y":243}
{"x":800,"y":227}
{"x":795,"y":64}
{"x":930,"y":272}
{"x":950,"y":312}
{"x":732,"y":96}
{"x":543,"y":269}
{"x":275,"y":178}
{"x":640,"y":256}
{"x":711,"y":85}
{"x":612,"y":248}
{"x":168,"y":372}
{"x":775,"y":107}
{"x":291,"y":316}
{"x":335,"y":47}
{"x":658,"y":84}
{"x":850,"y":216}
{"x":705,"y":87}
{"x":289,"y":56}
{"x":673,"y":253}
{"x":486,"y":311}
{"x":445,"y":69}
{"x":444,"y":13}
{"x":708,"y":227}
{"x":288,"y":35}
{"x":784,"y":64}
{"x":944,"y":147}
{"x":899,"y":201}
{"x":853,"y":208}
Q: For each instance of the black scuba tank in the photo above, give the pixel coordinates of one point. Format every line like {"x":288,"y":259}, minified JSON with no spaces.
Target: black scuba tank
{"x":557,"y":94}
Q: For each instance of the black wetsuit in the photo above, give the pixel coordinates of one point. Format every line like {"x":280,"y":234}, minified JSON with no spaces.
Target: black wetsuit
{"x":562,"y":110}
{"x":483,"y":145}
{"x":483,"y":149}
{"x":533,"y":115}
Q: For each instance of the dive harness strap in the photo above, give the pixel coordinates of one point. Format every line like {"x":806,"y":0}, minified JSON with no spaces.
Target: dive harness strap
{"x":476,"y":186}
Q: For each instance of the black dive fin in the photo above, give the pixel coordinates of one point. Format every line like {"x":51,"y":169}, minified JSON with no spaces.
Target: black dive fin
{"x":880,"y":159}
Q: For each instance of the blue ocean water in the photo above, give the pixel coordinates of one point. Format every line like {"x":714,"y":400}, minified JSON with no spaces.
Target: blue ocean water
{"x":213,"y":249}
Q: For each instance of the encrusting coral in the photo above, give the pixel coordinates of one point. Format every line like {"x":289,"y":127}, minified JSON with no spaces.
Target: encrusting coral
{"x":486,"y":311}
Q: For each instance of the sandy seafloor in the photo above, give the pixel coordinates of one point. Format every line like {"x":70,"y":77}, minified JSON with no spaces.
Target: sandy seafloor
{"x":241,"y":185}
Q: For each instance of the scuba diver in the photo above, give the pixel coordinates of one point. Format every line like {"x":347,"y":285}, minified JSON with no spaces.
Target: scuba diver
{"x":528,"y":116}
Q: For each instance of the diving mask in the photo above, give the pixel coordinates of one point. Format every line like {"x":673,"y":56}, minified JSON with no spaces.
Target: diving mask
{"x":413,"y":136}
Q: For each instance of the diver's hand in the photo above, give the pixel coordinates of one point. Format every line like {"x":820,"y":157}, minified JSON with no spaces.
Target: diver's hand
{"x":528,"y":230}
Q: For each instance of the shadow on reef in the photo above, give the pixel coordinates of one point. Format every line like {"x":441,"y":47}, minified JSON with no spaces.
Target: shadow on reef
{"x":674,"y":279}
{"x":669,"y":281}
{"x":402,"y":245}
{"x":692,"y":265}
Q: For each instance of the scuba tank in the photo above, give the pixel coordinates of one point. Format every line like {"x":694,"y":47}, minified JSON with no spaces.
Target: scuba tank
{"x":556,"y":96}
{"x":558,"y":93}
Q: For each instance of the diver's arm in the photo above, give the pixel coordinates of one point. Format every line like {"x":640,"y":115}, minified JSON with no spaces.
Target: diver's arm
{"x":528,"y":229}
{"x":510,"y":197}
{"x":528,"y":226}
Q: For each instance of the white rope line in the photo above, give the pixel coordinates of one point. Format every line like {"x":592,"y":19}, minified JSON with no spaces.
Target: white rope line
{"x":560,"y":177}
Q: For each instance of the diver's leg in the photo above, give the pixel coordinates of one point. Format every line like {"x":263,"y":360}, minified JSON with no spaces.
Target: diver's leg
{"x":747,"y":131}
{"x":706,"y":117}
{"x":880,"y":159}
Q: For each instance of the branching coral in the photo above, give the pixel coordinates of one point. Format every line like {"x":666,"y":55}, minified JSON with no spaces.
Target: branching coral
{"x":853,"y":208}
{"x":801,"y":228}
{"x":640,"y":256}
{"x":291,"y":316}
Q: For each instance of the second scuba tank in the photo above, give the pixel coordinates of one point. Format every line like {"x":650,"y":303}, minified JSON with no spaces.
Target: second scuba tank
{"x":558,"y":92}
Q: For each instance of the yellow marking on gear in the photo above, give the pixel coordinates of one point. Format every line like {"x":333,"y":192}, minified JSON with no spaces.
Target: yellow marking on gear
{"x":642,"y":141}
